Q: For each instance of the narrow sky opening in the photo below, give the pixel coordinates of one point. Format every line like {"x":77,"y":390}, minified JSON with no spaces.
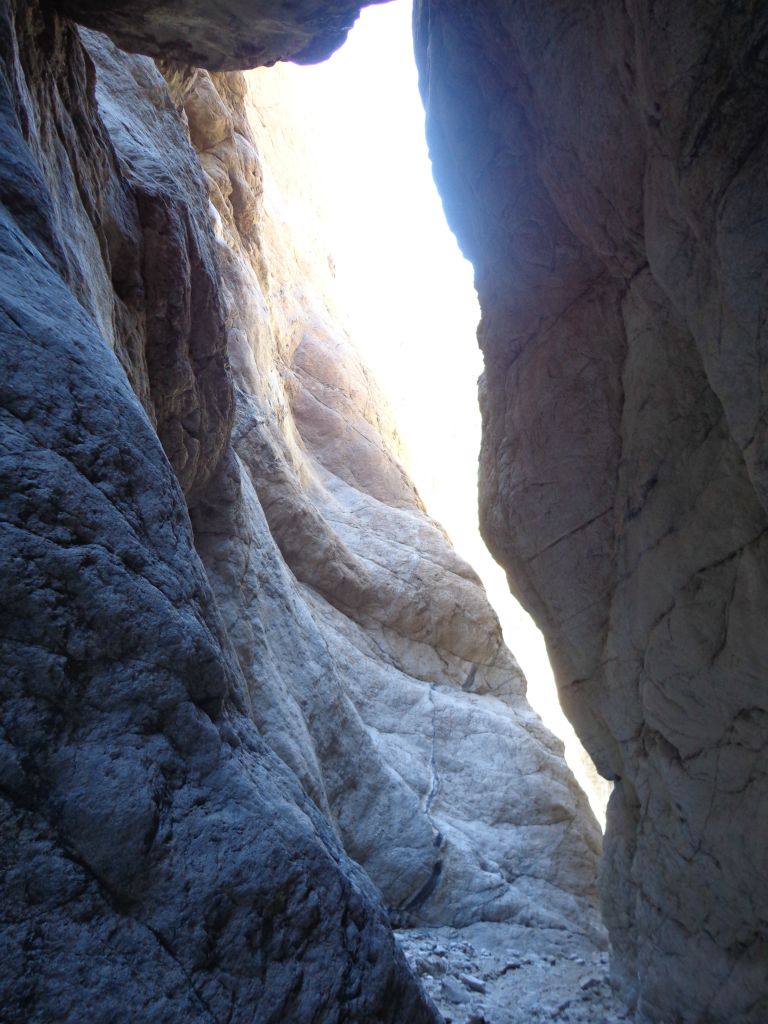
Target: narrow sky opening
{"x":409,"y":296}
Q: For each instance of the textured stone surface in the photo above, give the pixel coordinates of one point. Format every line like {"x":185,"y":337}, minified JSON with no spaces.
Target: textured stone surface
{"x":379,"y":673}
{"x":504,"y":974}
{"x":605,"y":169}
{"x":159,"y":862}
{"x":221,"y":35}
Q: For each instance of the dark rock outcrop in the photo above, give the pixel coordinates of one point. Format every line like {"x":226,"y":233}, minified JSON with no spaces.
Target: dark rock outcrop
{"x":159,"y":862}
{"x":604,"y":166}
{"x":224,"y":35}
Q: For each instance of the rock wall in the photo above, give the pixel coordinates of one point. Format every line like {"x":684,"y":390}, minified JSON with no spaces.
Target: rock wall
{"x":395,"y":633}
{"x":159,"y":861}
{"x":239,"y":660}
{"x":604,"y":167}
{"x":223,"y":35}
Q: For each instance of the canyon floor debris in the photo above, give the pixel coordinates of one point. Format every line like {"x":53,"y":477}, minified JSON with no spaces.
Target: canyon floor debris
{"x":509,"y":974}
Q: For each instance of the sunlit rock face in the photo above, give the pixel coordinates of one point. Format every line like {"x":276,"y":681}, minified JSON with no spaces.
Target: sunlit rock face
{"x":604,"y":166}
{"x":376,"y":666}
{"x":239,"y":660}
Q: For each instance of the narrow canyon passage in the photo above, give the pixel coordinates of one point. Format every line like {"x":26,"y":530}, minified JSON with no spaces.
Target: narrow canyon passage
{"x":468,"y":812}
{"x":264,"y":753}
{"x":271,"y":713}
{"x":370,"y":202}
{"x":405,"y":292}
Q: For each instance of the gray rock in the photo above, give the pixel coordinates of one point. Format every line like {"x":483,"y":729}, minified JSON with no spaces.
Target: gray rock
{"x":220,"y":36}
{"x":604,"y":170}
{"x":590,"y":983}
{"x":472,"y":983}
{"x":431,"y":965}
{"x":454,"y":992}
{"x":152,"y":869}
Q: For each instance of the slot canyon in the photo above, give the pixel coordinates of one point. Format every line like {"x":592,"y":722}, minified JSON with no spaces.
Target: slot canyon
{"x":264,"y":754}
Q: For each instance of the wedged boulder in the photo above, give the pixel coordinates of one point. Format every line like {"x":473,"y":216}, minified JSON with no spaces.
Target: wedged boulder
{"x":224,"y":35}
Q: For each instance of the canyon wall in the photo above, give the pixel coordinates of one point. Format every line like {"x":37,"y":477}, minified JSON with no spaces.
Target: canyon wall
{"x":255,"y":708}
{"x":159,"y":861}
{"x":604,"y":167}
{"x":386,"y":661}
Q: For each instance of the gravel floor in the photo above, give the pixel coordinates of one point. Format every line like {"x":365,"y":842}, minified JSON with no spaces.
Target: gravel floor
{"x":506,"y":974}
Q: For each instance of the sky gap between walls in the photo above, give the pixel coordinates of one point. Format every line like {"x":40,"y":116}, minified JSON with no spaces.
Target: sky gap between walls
{"x":407,"y":294}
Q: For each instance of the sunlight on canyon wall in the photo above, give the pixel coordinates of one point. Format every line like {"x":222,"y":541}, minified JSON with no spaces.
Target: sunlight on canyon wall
{"x":405,"y":288}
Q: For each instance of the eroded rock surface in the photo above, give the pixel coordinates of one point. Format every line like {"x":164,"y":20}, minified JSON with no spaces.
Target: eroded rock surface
{"x":159,"y":861}
{"x":395,"y":698}
{"x":604,"y":167}
{"x":239,"y":660}
{"x":222,"y":35}
{"x":507,"y":974}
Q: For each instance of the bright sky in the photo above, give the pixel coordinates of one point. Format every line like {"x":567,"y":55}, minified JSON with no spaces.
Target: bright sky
{"x":409,"y":294}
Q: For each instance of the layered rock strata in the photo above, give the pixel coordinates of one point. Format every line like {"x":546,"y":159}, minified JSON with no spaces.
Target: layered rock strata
{"x":239,"y":660}
{"x":604,"y":167}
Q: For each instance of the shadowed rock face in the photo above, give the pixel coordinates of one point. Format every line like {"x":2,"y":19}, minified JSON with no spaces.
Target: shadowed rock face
{"x":236,"y":651}
{"x":222,"y":35}
{"x":376,"y":665}
{"x":159,"y":861}
{"x":604,"y":167}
